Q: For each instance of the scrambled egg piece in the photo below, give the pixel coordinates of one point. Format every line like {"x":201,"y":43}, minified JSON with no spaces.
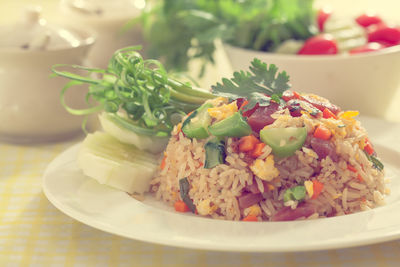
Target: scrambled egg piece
{"x":362,"y":144}
{"x":349,"y":115}
{"x":218,"y":100}
{"x":254,"y":210}
{"x":223,"y":111}
{"x":309,"y":188}
{"x":265,"y":170}
{"x":310,"y":152}
{"x":205,"y":208}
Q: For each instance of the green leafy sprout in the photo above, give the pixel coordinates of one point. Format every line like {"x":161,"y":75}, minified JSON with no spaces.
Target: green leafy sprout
{"x":138,"y":92}
{"x":142,"y":97}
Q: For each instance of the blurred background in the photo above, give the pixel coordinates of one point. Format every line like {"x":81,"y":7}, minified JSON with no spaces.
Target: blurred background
{"x":185,"y":42}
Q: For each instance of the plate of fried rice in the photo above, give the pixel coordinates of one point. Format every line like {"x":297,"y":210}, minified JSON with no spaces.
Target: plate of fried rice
{"x":357,"y":206}
{"x":252,"y":165}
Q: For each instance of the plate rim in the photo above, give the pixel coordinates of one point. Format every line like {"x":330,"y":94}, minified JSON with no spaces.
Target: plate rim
{"x":85,"y":219}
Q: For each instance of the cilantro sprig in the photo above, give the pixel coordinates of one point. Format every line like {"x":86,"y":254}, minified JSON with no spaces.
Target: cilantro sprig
{"x":259,"y":86}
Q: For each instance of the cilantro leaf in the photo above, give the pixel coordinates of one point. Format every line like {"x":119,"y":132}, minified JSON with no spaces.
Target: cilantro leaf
{"x":260,"y":85}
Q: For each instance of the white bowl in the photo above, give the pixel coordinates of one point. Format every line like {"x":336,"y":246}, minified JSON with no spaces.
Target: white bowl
{"x":365,"y":82}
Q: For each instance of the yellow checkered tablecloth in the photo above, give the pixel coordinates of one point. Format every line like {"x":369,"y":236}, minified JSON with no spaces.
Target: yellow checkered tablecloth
{"x":34,"y":233}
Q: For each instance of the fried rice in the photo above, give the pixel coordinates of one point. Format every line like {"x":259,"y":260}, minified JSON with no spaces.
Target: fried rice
{"x":238,"y":188}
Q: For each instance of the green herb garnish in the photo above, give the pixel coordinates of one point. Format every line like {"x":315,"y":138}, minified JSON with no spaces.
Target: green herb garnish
{"x":258,"y":86}
{"x":375,"y":162}
{"x":137,"y":91}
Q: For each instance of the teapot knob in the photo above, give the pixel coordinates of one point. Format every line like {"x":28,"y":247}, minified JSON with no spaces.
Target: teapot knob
{"x":31,"y":15}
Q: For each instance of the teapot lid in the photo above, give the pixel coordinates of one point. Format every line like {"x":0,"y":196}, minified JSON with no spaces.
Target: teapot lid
{"x":102,"y":8}
{"x":34,"y":33}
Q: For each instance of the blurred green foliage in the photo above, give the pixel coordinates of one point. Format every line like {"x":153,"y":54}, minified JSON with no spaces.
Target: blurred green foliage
{"x":181,"y":30}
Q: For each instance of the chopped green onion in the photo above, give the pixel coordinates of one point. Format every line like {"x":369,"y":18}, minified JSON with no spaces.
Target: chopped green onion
{"x":294,"y":193}
{"x":184,"y":188}
{"x":215,"y":153}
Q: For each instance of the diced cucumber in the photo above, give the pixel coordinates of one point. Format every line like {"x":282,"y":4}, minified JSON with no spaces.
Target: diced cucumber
{"x":196,"y":124}
{"x":116,"y":127}
{"x":284,"y":141}
{"x":215,"y":153}
{"x":121,"y":166}
{"x":233,"y":126}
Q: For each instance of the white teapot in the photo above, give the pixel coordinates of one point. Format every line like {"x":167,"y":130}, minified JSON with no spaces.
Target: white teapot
{"x":30,"y":108}
{"x":109,"y":19}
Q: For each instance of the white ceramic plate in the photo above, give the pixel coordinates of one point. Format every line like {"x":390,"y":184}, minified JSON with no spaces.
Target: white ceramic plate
{"x":116,"y":212}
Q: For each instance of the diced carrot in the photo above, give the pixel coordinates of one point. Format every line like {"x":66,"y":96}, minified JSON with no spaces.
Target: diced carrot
{"x":317,"y":188}
{"x":322,"y":132}
{"x":163,"y":162}
{"x":247,"y":143}
{"x":181,"y":206}
{"x":297,"y":95}
{"x":244,"y":104}
{"x":327,"y":114}
{"x":368,"y":147}
{"x":270,"y":187}
{"x":359,"y":177}
{"x":351,"y":168}
{"x":250,"y":218}
{"x":257,"y":151}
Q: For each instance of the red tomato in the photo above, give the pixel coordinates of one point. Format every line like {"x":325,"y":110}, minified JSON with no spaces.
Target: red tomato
{"x":383,"y":33}
{"x":322,"y":44}
{"x":369,"y":47}
{"x":367,"y":19}
{"x":322,"y":17}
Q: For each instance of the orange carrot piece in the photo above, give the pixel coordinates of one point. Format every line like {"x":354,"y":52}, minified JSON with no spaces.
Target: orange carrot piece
{"x":250,"y":218}
{"x":257,"y":151}
{"x":368,"y":147}
{"x":317,"y":188}
{"x":322,"y":132}
{"x":327,"y":114}
{"x":163,"y":162}
{"x":351,"y":168}
{"x":359,"y":177}
{"x":247,"y":143}
{"x":244,"y":104}
{"x":181,"y":206}
{"x":297,"y":95}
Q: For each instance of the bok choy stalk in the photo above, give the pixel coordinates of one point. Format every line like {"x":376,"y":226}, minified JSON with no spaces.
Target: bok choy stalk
{"x":139,"y":93}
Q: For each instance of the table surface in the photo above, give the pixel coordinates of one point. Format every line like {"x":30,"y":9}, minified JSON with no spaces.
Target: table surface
{"x":34,"y":233}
